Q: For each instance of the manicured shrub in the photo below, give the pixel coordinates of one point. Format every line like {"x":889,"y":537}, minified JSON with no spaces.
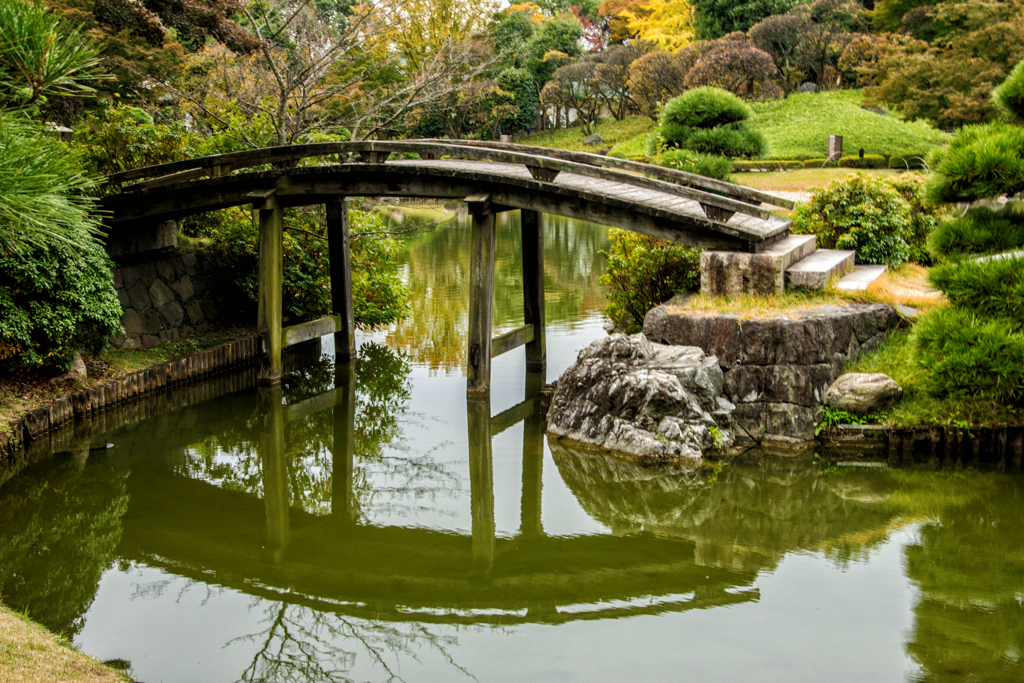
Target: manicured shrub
{"x":992,"y":287}
{"x":694,"y":162}
{"x":867,"y":161}
{"x":818,"y":163}
{"x":980,"y":162}
{"x":980,"y":231}
{"x":378,"y":295}
{"x":643,"y":272}
{"x":970,"y":355}
{"x":712,"y":121}
{"x":865,"y":214}
{"x":742,"y":165}
{"x":55,"y":299}
{"x":908,"y":162}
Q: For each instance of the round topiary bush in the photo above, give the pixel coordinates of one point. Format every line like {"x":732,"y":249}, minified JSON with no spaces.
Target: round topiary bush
{"x":712,"y":121}
{"x":864,"y":214}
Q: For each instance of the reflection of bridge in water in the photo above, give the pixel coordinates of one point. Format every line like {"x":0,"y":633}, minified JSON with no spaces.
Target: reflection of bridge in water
{"x":490,"y":177}
{"x":332,"y":563}
{"x":667,"y":552}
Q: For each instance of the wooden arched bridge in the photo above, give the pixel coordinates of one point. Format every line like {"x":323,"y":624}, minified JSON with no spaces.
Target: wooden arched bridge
{"x":490,"y":177}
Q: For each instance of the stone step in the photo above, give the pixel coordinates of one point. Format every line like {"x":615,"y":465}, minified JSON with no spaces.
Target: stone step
{"x":860,"y":277}
{"x":815,"y":271}
{"x":727,"y":272}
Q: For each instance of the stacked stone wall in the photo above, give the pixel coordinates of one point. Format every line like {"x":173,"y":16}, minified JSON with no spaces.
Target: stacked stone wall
{"x":173,"y":297}
{"x":777,"y":368}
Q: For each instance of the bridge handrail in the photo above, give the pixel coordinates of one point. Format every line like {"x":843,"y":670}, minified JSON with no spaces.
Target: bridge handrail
{"x":538,"y":162}
{"x":746,"y":194}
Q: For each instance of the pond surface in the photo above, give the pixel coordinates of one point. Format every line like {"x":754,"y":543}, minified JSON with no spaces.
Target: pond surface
{"x":365,"y":523}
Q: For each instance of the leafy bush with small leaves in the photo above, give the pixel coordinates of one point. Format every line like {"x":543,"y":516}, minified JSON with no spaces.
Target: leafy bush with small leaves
{"x":379,"y":296}
{"x":979,"y":231}
{"x":860,"y":213}
{"x":711,"y":121}
{"x":694,"y":162}
{"x":55,"y":299}
{"x":992,"y":287}
{"x":924,"y":217}
{"x":970,"y":355}
{"x":643,"y":272}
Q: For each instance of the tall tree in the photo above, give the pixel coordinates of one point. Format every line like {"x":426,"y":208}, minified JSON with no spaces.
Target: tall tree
{"x":666,"y":23}
{"x":716,"y":18}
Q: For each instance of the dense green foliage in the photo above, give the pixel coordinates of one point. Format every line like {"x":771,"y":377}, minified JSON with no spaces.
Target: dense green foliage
{"x":970,"y":355}
{"x":991,"y":287}
{"x":694,"y":162}
{"x":981,"y":161}
{"x":868,"y":215}
{"x":716,"y":18}
{"x":979,"y":231}
{"x":1010,"y":95}
{"x":643,"y":272}
{"x":53,"y":300}
{"x":378,"y":294}
{"x":711,"y":121}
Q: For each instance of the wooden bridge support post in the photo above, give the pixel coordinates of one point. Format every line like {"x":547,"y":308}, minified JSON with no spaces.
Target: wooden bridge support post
{"x":481,"y":297}
{"x":271,"y":278}
{"x":533,"y":288}
{"x":343,"y":504}
{"x":481,"y":483}
{"x":276,"y":497}
{"x":341,"y":279}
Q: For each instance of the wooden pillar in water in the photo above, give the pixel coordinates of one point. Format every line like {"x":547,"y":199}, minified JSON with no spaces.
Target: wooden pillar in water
{"x":271,"y":276}
{"x":533,"y":288}
{"x":276,"y":497}
{"x":341,"y":279}
{"x":481,"y":296}
{"x":481,"y":483}
{"x":343,"y":504}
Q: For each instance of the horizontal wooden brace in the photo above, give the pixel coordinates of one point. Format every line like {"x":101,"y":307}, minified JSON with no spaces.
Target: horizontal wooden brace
{"x":169,"y":179}
{"x":512,"y":416}
{"x":314,"y":329}
{"x":511,"y":340}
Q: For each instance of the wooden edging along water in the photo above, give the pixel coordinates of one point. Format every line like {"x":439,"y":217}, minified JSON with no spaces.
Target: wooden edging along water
{"x":131,"y":387}
{"x":1000,"y":446}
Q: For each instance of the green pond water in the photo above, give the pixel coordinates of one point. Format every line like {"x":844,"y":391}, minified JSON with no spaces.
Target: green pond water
{"x":365,"y":523}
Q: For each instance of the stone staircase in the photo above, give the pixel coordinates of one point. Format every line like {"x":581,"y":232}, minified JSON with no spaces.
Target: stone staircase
{"x":793,"y":262}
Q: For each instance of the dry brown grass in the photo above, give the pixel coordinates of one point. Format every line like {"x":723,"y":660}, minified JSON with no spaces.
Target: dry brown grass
{"x":30,"y":654}
{"x":907,"y":285}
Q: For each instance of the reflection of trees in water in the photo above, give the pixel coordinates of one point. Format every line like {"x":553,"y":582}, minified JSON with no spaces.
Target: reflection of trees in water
{"x":969,"y":566}
{"x":437,"y":266}
{"x":309,"y":646}
{"x":745,"y":516}
{"x":59,"y":525}
{"x":401,"y":483}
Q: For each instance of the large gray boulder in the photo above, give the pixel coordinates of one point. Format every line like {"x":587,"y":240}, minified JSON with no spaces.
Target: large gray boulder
{"x":862,"y":393}
{"x":648,"y":402}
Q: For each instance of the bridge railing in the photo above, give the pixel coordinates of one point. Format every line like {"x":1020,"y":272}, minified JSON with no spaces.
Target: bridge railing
{"x":719,"y":200}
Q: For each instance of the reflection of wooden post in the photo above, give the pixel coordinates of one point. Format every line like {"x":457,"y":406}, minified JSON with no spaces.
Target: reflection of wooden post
{"x":343,"y":506}
{"x":481,"y":483}
{"x":533,"y":461}
{"x":275,"y":471}
{"x":270,"y":280}
{"x":533,"y":287}
{"x":481,"y":297}
{"x":341,"y":279}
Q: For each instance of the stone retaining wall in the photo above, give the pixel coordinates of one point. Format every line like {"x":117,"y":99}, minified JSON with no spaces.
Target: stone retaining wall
{"x":171,"y":298}
{"x":778,"y":367}
{"x":98,"y":398}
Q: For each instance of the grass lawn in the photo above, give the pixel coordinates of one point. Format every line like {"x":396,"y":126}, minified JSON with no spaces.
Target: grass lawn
{"x":632,"y":130}
{"x":31,"y":654}
{"x":798,"y":127}
{"x":804,"y":179}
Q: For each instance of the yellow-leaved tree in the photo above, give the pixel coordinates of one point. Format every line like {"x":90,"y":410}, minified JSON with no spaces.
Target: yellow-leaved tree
{"x":666,"y":23}
{"x":420,"y":31}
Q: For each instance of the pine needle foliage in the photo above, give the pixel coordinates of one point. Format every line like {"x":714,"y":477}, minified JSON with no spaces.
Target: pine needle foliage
{"x":979,"y":231}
